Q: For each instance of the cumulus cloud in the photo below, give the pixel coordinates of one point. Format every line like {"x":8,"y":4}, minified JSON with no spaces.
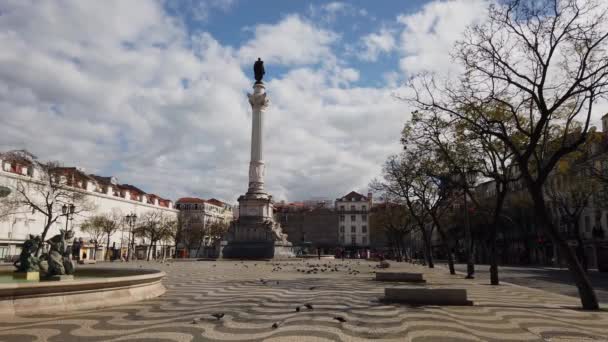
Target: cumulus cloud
{"x":292,"y":41}
{"x":122,"y":88}
{"x":329,"y":12}
{"x":428,"y":35}
{"x":376,"y":43}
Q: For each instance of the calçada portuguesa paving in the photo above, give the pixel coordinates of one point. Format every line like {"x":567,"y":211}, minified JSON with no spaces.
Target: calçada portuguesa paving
{"x":254,"y":295}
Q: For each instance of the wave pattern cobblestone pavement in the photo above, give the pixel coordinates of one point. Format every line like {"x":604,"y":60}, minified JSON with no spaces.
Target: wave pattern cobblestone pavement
{"x":255,"y":295}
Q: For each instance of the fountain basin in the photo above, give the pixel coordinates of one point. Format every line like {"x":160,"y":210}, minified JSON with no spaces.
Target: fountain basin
{"x":91,"y":288}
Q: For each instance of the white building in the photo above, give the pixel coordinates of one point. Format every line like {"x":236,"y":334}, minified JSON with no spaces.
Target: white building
{"x":353,"y":221}
{"x":104,"y":194}
{"x":196,"y":216}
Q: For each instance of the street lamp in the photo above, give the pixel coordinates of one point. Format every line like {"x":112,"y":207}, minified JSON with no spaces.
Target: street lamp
{"x":68,"y":211}
{"x":131,"y":218}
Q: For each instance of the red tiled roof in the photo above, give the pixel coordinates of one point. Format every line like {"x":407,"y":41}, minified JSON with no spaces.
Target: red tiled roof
{"x":216,"y":202}
{"x":190,"y":200}
{"x":131,"y":188}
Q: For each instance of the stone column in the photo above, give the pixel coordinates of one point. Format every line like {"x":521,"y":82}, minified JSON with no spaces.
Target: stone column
{"x":259,"y":102}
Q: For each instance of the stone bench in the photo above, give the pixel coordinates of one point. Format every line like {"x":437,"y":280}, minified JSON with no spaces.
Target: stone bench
{"x":426,"y":296}
{"x":400,"y":276}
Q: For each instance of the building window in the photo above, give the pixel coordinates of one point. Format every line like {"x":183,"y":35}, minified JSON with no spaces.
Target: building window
{"x":342,"y":208}
{"x":364,"y":240}
{"x":364,"y":208}
{"x":341,"y":217}
{"x":341,"y":229}
{"x":353,"y":240}
{"x":352,"y":208}
{"x":353,"y":229}
{"x":364,"y":229}
{"x":353,"y":218}
{"x":364,"y":217}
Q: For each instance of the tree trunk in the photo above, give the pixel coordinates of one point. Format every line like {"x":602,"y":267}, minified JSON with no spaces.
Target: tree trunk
{"x":468,"y":241}
{"x":45,"y":231}
{"x":427,"y":247}
{"x":580,"y":248}
{"x":108,"y":256}
{"x":448,"y":250}
{"x":586,"y":293}
{"x":149,"y":250}
{"x":500,"y":199}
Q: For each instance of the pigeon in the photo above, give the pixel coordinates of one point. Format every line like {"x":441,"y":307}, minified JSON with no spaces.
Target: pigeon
{"x":195,"y":321}
{"x":297,"y":309}
{"x":340,"y":319}
{"x":277,"y":283}
{"x":275,"y":325}
{"x":218,"y":316}
{"x":312,"y":287}
{"x":308,"y":306}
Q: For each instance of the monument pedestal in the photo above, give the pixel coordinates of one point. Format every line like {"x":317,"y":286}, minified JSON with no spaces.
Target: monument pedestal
{"x":255,"y":235}
{"x":31,"y":276}
{"x":62,"y":277}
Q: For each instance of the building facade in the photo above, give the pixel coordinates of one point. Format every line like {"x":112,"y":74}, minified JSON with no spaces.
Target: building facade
{"x":353,"y":219}
{"x":196,"y":217}
{"x":309,"y":226}
{"x":103,"y":195}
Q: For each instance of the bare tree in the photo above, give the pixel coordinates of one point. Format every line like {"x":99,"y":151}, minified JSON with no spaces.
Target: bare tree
{"x":408,"y":177}
{"x":46,"y":192}
{"x":103,"y":225}
{"x":466,"y":151}
{"x":545,"y":63}
{"x":94,"y":228}
{"x":155,"y":226}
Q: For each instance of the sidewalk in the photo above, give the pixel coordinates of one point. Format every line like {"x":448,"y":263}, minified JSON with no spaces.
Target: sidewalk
{"x":255,"y":295}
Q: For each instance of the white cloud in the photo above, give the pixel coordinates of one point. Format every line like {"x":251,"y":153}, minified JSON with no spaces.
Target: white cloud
{"x":199,"y":10}
{"x":375,"y":44}
{"x":428,"y":35}
{"x":129,"y":93}
{"x":292,"y":41}
{"x":329,"y":12}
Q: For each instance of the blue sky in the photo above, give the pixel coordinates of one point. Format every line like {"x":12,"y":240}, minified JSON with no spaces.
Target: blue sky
{"x":232,"y":24}
{"x":154,"y":92}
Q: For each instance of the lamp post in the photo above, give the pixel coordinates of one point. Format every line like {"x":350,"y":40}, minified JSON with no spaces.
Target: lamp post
{"x":68,"y":211}
{"x":131,"y":218}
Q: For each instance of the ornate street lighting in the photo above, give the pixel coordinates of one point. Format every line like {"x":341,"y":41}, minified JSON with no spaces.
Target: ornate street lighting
{"x":68,"y":211}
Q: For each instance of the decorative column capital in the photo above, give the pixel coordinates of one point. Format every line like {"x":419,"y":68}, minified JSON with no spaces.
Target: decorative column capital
{"x":258,"y":100}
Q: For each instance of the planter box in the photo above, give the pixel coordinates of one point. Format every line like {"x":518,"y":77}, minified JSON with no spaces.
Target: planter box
{"x":424,"y":296}
{"x":400,"y":276}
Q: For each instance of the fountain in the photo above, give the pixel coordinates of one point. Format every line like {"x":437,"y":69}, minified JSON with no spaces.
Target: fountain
{"x":51,"y":283}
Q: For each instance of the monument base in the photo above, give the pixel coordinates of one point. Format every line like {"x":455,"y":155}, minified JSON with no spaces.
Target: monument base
{"x":63,"y":277}
{"x":32,"y":276}
{"x":256,"y":250}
